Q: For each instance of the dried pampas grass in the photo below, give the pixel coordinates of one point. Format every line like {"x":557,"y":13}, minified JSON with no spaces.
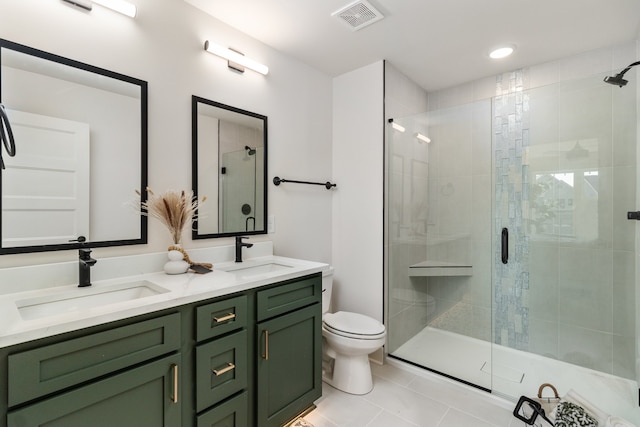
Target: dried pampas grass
{"x":175,"y":209}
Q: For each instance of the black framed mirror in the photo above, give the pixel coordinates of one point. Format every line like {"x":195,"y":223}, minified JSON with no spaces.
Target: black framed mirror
{"x":81,"y":153}
{"x":229,"y":168}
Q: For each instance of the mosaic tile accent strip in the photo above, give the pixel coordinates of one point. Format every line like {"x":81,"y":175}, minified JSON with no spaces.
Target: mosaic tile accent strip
{"x":510,"y":142}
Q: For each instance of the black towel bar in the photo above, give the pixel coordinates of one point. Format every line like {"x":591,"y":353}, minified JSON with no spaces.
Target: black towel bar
{"x":327,"y":185}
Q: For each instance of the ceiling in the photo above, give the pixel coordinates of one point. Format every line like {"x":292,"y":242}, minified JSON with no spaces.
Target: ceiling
{"x":436,"y":43}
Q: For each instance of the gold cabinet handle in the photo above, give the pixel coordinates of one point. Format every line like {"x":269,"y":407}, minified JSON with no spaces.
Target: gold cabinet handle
{"x":224,"y":318}
{"x":174,"y":396}
{"x":230,"y":366}
{"x":265,"y":356}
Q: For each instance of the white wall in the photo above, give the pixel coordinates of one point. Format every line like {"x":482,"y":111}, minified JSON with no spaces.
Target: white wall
{"x":164,"y":46}
{"x":358,"y":152}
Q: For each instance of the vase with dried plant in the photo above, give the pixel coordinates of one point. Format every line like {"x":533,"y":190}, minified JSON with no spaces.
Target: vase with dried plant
{"x":176,"y":210}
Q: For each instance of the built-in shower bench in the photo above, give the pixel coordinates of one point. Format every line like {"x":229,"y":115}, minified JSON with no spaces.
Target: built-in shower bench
{"x":440,"y":268}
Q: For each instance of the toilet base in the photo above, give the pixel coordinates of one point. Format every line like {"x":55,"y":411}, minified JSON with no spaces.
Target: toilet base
{"x":351,"y":374}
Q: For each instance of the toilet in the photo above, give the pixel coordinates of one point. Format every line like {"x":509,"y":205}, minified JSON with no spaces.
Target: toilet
{"x":348,"y":339}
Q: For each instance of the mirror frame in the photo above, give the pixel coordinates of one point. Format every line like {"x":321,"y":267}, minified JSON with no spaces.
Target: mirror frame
{"x":142,"y":239}
{"x":194,"y":165}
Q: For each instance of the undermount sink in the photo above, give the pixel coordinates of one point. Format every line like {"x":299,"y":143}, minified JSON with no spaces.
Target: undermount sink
{"x":254,"y":269}
{"x":85,"y":298}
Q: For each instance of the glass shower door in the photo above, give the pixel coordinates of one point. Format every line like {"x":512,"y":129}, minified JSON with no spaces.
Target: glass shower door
{"x":564,"y":300}
{"x":439,"y":241}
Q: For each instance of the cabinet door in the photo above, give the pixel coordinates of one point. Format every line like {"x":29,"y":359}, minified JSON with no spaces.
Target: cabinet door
{"x":143,"y":396}
{"x":289,"y":365}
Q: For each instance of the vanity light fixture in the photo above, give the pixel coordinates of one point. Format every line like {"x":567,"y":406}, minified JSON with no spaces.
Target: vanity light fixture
{"x":423,"y":138}
{"x":120,"y":6}
{"x":236,"y":60}
{"x":84,"y":4}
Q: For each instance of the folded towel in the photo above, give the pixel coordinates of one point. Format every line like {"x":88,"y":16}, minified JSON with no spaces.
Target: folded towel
{"x":571,"y":415}
{"x":573,"y":397}
{"x":618,"y":422}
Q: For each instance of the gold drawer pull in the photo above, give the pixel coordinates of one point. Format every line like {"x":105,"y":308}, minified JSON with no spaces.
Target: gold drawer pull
{"x":174,"y":396}
{"x":265,"y":356}
{"x":224,"y":318}
{"x":230,"y":366}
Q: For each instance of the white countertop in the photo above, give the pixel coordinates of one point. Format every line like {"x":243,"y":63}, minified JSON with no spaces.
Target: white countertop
{"x":181,"y":289}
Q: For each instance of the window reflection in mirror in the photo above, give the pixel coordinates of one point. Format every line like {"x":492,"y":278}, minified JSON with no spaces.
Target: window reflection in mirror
{"x":229,"y":169}
{"x":80,"y":136}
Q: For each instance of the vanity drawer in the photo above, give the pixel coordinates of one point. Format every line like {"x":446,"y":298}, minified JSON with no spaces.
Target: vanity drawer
{"x":41,"y":371}
{"x":221,"y":317}
{"x":288,"y":297}
{"x":221,"y":369}
{"x":232,"y":413}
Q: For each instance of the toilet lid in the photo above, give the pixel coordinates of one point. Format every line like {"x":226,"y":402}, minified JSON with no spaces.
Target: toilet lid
{"x":353,"y":324}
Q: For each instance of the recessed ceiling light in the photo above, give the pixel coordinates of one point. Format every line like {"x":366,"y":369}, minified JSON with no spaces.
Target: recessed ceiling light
{"x":501,"y":52}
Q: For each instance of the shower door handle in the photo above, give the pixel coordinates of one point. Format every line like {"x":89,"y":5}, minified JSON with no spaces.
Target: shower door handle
{"x":505,"y":245}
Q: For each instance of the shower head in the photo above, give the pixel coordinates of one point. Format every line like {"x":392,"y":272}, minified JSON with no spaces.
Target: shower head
{"x":617,"y":80}
{"x":250,"y":151}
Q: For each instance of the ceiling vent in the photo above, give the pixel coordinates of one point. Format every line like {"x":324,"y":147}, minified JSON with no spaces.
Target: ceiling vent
{"x":358,"y":15}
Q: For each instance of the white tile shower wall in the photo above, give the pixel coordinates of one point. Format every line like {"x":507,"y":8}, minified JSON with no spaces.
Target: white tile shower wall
{"x":460,"y":231}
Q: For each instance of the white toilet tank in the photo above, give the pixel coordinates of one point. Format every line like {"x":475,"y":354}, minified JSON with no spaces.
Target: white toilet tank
{"x":327,"y":287}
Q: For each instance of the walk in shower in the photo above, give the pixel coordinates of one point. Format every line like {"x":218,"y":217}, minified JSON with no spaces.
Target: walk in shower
{"x":510,"y":258}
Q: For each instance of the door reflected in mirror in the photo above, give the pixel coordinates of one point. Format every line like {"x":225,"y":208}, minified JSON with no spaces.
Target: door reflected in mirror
{"x":81,"y":153}
{"x":229,"y":149}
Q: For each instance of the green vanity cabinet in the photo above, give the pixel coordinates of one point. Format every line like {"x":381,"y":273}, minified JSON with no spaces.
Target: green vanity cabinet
{"x":248,"y":359}
{"x":289,"y":343}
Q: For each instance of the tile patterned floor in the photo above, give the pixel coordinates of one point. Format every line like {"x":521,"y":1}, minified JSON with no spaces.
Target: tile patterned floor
{"x":404,"y":396}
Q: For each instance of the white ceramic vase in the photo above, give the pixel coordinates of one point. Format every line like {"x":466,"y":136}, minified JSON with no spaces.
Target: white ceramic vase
{"x":176,"y":263}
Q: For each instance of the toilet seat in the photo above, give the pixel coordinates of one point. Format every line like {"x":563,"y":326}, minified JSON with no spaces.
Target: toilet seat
{"x":353,"y":325}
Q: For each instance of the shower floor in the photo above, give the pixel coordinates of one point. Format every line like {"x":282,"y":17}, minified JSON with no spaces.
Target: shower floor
{"x":515,"y":372}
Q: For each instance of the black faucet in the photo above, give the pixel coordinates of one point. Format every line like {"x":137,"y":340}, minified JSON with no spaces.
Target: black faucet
{"x":85,"y":262}
{"x":239,"y":245}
